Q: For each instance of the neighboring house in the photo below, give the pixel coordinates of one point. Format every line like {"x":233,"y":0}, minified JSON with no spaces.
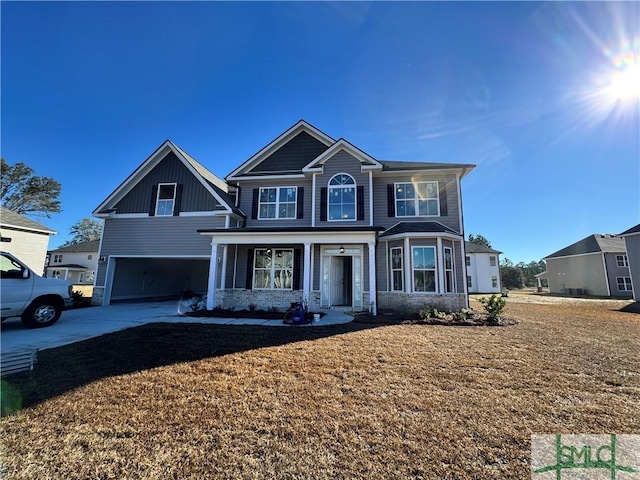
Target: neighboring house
{"x":483,"y":269}
{"x":632,"y":245}
{"x":24,"y":238}
{"x":596,"y":265}
{"x":75,"y":263}
{"x":306,"y":218}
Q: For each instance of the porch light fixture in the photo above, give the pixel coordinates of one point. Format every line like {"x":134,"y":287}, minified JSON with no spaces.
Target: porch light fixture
{"x":341,"y":249}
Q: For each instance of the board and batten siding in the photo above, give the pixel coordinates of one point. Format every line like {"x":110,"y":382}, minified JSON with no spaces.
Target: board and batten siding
{"x":342,"y":162}
{"x":195,"y":197}
{"x":380,"y":199}
{"x":293,"y":156}
{"x":246,"y":202}
{"x":156,"y":237}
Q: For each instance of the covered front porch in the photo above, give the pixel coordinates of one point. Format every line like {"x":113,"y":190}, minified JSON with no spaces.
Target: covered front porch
{"x":331,"y":268}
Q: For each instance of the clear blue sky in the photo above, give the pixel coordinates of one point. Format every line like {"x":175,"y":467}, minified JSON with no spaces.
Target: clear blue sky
{"x":521,"y":89}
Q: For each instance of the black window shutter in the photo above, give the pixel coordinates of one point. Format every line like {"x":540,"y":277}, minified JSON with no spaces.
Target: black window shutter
{"x":254,"y":204}
{"x":323,"y":204}
{"x":391,"y":200}
{"x":444,"y":211}
{"x":249,"y":280}
{"x":297,"y":269}
{"x":178,"y":205}
{"x":152,"y":202}
{"x":300,"y":200}
{"x":360,"y":206}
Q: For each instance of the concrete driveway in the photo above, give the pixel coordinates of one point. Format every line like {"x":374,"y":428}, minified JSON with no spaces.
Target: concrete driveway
{"x":80,"y":324}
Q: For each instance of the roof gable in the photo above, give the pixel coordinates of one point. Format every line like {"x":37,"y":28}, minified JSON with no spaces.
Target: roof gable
{"x":367,"y":161}
{"x":597,"y":243}
{"x":215,"y":186}
{"x":632,"y":230}
{"x":471,"y":247}
{"x":84,"y":247}
{"x":312,"y":142}
{"x":11,"y":219}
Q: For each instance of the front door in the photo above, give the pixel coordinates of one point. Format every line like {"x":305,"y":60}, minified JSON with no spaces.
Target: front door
{"x":341,"y":278}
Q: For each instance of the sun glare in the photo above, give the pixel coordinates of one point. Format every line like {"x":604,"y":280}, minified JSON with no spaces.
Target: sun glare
{"x":625,"y":84}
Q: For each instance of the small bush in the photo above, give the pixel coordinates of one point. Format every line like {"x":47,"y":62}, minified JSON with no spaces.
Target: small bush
{"x":431,"y":312}
{"x":494,"y":305}
{"x":77,"y":297}
{"x":253,"y":307}
{"x":273,"y":309}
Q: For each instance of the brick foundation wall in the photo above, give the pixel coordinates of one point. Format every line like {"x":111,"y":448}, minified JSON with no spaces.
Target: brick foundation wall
{"x":408,"y":301}
{"x":97,"y":296}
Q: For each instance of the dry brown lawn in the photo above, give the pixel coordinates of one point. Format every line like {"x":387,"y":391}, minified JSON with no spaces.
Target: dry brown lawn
{"x":346,"y":402}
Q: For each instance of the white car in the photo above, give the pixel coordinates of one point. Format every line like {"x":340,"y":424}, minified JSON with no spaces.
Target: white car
{"x":37,"y":300}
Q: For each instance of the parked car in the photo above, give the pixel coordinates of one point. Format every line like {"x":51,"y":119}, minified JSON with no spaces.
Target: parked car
{"x":37,"y":300}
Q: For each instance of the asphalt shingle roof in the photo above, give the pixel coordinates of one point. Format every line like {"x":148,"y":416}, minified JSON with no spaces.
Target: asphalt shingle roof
{"x":595,"y":243}
{"x":477,"y":248}
{"x":418,"y":227}
{"x":635,"y":229}
{"x":9,"y":218}
{"x":88,"y":247}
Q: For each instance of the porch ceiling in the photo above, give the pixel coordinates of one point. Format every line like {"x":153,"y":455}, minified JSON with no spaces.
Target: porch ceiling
{"x":256,"y":236}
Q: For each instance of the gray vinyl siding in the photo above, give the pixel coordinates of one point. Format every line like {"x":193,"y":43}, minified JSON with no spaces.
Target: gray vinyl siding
{"x":633,"y":254}
{"x":293,"y":156}
{"x":614,"y":271}
{"x":380,"y":205}
{"x":343,"y":162}
{"x":579,"y":271}
{"x":246,"y":202}
{"x":156,"y":237}
{"x":195,"y":197}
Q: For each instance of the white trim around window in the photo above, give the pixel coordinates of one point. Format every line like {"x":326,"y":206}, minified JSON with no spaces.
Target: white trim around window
{"x":424,"y":269}
{"x":397,"y":270}
{"x":341,"y":198}
{"x":166,"y":199}
{"x":273,"y":269}
{"x":624,"y":284}
{"x":449,"y":271}
{"x":277,"y":203}
{"x":622,"y":261}
{"x":417,"y":199}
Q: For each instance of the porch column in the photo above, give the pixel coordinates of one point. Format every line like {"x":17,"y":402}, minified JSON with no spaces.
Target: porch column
{"x":213,"y":273}
{"x":372,"y":278}
{"x":306,"y":274}
{"x":440,"y":262}
{"x":408,"y":283}
{"x":223,"y":279}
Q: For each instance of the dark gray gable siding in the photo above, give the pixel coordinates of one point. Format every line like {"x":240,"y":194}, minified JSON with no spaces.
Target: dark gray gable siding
{"x":380,"y":203}
{"x":246,"y":201}
{"x":195,"y":198}
{"x":292,"y":156}
{"x":342,"y":162}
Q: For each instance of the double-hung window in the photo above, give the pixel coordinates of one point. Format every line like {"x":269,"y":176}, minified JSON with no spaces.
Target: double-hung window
{"x":449,"y":278}
{"x":424,"y":269}
{"x":397,"y":273}
{"x":417,"y":199}
{"x":622,"y":260}
{"x":166,"y":199}
{"x":342,"y":197}
{"x":624,"y":284}
{"x":277,"y":203}
{"x":273,"y":269}
{"x":492,"y":261}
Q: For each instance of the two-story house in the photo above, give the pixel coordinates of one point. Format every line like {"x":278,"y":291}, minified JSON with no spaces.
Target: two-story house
{"x":76,"y":263}
{"x":483,"y":269}
{"x":306,"y":218}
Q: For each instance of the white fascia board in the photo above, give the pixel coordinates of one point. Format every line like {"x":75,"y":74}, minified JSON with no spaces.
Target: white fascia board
{"x":155,"y":158}
{"x":399,"y":236}
{"x":28,"y":229}
{"x":278,"y":142}
{"x":435,"y":171}
{"x":342,"y":144}
{"x":195,"y":257}
{"x":285,"y":238}
{"x":268,"y":177}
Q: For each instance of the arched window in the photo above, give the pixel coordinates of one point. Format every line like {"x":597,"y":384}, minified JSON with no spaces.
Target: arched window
{"x":342,"y":197}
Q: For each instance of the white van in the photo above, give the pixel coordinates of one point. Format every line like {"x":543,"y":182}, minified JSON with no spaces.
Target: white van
{"x":37,"y":300}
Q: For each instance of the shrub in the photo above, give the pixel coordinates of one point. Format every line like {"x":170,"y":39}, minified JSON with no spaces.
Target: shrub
{"x":273,"y":309}
{"x":431,"y":312}
{"x":253,"y":307}
{"x":77,"y":297}
{"x":494,"y":305}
